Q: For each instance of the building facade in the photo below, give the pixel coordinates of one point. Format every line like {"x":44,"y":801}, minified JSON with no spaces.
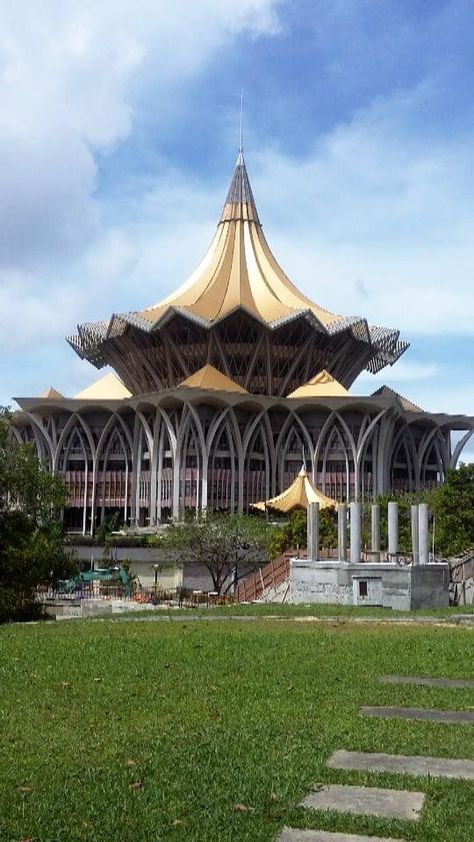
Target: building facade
{"x":222,"y":389}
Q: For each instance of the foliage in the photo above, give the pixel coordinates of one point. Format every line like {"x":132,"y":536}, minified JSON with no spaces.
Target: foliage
{"x":405,"y":502}
{"x":31,"y":545}
{"x":228,"y":546}
{"x":293,"y":534}
{"x":453,"y":506}
{"x":127,"y":541}
{"x":111,"y":523}
{"x":76,"y":539}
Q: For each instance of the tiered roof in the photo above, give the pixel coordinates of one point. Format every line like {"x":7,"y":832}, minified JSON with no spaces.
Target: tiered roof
{"x":239,"y":273}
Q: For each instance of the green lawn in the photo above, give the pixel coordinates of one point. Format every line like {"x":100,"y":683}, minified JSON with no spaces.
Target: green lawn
{"x":137,"y":732}
{"x":289,"y":610}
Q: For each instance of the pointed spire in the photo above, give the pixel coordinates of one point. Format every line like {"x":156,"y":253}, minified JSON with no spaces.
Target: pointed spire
{"x":241,"y":136}
{"x":240,"y":203}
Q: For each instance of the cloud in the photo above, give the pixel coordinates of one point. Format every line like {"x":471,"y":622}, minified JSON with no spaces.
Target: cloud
{"x":29,"y":318}
{"x":113,"y":258}
{"x":68,"y":84}
{"x":402,"y":371}
{"x":376,"y":219}
{"x":379,"y":219}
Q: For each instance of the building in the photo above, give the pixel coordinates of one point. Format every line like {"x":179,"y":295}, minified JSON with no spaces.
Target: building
{"x":220,"y":390}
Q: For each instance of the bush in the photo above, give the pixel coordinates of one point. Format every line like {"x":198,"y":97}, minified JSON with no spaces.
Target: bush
{"x":72,"y":539}
{"x":126,"y":541}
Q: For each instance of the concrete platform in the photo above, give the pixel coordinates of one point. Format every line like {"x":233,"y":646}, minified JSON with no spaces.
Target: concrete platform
{"x":399,"y":764}
{"x":459,"y":717}
{"x":290,"y":834}
{"x":422,"y":681}
{"x":363,"y":800}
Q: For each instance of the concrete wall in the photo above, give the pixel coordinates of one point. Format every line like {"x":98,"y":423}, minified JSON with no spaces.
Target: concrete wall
{"x":430,"y":586}
{"x":388,"y":585}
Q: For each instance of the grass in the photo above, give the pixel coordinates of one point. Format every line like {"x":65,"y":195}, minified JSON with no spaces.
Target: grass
{"x":287,"y":610}
{"x":133,"y":732}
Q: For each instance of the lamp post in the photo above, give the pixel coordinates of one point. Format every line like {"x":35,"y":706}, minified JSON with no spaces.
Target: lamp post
{"x":156,"y":567}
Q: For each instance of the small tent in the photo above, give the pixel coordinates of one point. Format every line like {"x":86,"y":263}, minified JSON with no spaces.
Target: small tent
{"x":299,"y":495}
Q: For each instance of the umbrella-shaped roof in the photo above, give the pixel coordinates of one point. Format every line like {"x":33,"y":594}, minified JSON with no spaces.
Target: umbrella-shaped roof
{"x":299,"y":495}
{"x":239,"y":277}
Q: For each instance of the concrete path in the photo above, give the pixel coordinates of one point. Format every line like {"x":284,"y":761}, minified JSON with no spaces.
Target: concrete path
{"x":460,"y":717}
{"x":363,"y":800}
{"x":421,"y":681}
{"x":434,"y":767}
{"x":288,"y":834}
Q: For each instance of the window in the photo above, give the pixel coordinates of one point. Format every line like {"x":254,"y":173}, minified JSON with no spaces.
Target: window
{"x":363,"y":588}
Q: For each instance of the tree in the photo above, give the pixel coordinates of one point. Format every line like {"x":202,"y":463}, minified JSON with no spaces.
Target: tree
{"x":31,"y":545}
{"x":228,"y":546}
{"x":293,"y":533}
{"x":453,"y":507}
{"x":405,"y":501}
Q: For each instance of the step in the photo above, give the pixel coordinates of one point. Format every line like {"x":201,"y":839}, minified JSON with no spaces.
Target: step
{"x":433,"y":767}
{"x":363,"y":800}
{"x":425,"y":681}
{"x":460,"y":717}
{"x":290,"y":834}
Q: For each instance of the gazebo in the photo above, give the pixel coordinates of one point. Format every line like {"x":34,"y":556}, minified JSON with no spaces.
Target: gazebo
{"x":299,"y":495}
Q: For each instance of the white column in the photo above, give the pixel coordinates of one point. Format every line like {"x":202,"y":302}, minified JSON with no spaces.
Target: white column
{"x":205,"y":468}
{"x":355,"y":531}
{"x":342,"y":531}
{"x":240,"y":502}
{"x":313,"y":531}
{"x":415,"y":541}
{"x":375,"y":530}
{"x":154,"y":470}
{"x":423,"y":535}
{"x":392,"y":531}
{"x":176,"y":483}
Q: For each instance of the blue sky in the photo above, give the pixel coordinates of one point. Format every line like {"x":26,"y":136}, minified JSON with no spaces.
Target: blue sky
{"x":118,"y":136}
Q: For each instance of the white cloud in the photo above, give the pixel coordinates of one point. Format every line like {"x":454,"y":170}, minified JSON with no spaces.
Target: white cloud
{"x":379,"y":220}
{"x":68,"y":82}
{"x":31,"y":318}
{"x":113,"y":258}
{"x":402,"y":371}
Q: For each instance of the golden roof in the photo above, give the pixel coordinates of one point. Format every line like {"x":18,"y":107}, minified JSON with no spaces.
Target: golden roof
{"x":108,"y":387}
{"x":240,"y":274}
{"x":238,"y":271}
{"x":51,"y":393}
{"x":299,"y":495}
{"x":406,"y":404}
{"x":321,"y":386}
{"x":209,"y":377}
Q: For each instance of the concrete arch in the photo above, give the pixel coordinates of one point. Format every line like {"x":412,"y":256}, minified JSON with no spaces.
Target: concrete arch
{"x":74,"y":417}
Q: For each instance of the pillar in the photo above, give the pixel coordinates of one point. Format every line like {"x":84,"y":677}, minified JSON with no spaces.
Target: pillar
{"x":313,"y":531}
{"x":375,"y":531}
{"x":392,"y":531}
{"x":342,"y":531}
{"x":415,"y":541}
{"x":355,"y":532}
{"x":423,"y":536}
{"x":175,"y":512}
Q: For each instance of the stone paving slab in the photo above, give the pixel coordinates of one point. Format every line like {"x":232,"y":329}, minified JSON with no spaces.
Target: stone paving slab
{"x":426,"y":681}
{"x":461,"y":717}
{"x":363,"y":800}
{"x":290,"y":834}
{"x":434,"y":767}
